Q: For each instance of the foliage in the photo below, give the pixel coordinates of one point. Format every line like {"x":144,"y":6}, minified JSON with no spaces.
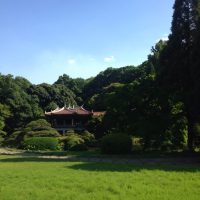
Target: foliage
{"x":39,"y":124}
{"x":51,"y":96}
{"x":15,"y":139}
{"x":157,"y":101}
{"x":42,"y":133}
{"x":38,"y":128}
{"x":75,"y":85}
{"x":116,"y":144}
{"x":2,"y":137}
{"x":88,"y":138}
{"x":72,"y":141}
{"x":13,"y":93}
{"x":3,"y":133}
{"x":77,"y":141}
{"x":4,"y":114}
{"x":177,"y":71}
{"x":95,"y":125}
{"x":197,"y":128}
{"x":40,"y":143}
{"x":122,"y":75}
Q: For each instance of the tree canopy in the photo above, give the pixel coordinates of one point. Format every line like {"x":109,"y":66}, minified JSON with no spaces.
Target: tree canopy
{"x":157,"y":101}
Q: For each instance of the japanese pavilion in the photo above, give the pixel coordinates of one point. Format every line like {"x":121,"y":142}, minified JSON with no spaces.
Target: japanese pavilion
{"x":68,"y":118}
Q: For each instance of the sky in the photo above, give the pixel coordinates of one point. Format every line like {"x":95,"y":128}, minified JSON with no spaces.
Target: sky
{"x":43,"y":39}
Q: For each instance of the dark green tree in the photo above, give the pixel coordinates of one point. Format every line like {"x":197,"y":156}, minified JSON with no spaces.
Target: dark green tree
{"x":176,"y":71}
{"x":4,"y":114}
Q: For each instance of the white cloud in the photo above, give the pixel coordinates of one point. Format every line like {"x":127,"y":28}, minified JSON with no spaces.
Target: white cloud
{"x":109,"y":59}
{"x":71,"y":61}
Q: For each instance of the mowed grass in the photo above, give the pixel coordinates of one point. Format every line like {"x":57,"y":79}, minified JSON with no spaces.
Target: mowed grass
{"x":26,"y":178}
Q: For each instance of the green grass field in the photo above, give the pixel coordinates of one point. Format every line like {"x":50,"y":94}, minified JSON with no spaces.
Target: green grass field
{"x":26,"y":178}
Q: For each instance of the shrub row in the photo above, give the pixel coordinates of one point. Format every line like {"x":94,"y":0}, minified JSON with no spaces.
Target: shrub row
{"x":40,"y":143}
{"x":77,"y":142}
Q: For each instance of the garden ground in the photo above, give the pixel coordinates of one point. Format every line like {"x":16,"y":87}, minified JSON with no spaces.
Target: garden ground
{"x":41,"y":177}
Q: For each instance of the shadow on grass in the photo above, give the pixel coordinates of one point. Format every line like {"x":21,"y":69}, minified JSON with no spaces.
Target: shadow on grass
{"x":89,"y":153}
{"x":136,"y":165}
{"x":103,"y":167}
{"x":133,"y":155}
{"x":8,"y":159}
{"x":110,"y":167}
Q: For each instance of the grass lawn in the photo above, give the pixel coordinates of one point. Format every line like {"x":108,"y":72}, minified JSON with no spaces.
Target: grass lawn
{"x":29,"y":178}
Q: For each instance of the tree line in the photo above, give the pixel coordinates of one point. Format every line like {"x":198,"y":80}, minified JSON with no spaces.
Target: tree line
{"x":157,"y":101}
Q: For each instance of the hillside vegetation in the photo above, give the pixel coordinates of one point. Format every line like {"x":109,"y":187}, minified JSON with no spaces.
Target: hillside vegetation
{"x":156,"y":102}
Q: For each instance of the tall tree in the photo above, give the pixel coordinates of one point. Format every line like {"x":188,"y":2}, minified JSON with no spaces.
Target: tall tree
{"x":177,"y":66}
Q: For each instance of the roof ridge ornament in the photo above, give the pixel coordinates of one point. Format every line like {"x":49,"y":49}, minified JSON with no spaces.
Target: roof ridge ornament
{"x":57,"y":108}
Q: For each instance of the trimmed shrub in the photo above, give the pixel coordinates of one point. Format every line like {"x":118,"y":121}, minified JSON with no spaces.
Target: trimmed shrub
{"x":116,"y":144}
{"x":71,"y":141}
{"x":38,"y":128}
{"x":88,"y":138}
{"x":77,"y":142}
{"x":39,"y":124}
{"x":40,"y":143}
{"x":43,"y":133}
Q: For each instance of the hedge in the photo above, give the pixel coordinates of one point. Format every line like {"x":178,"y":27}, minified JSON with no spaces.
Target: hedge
{"x":40,"y":143}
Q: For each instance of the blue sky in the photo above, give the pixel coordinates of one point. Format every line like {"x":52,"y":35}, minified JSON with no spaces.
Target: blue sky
{"x":42,"y":39}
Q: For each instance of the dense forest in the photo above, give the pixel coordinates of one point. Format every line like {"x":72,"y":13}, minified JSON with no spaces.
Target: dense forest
{"x":157,"y":101}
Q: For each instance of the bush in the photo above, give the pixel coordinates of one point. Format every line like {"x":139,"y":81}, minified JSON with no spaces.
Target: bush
{"x":43,"y":133}
{"x":71,"y":141}
{"x":77,"y":142}
{"x":88,"y":138}
{"x":39,"y":124}
{"x":38,"y":128}
{"x":116,"y":144}
{"x":14,"y":139}
{"x":40,"y":143}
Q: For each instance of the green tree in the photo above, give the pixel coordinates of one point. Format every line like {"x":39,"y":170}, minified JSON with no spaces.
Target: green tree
{"x":177,"y":72}
{"x":4,"y":114}
{"x":75,"y":85}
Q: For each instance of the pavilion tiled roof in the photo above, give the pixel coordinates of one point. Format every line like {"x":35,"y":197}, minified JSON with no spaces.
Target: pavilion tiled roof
{"x":69,"y":111}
